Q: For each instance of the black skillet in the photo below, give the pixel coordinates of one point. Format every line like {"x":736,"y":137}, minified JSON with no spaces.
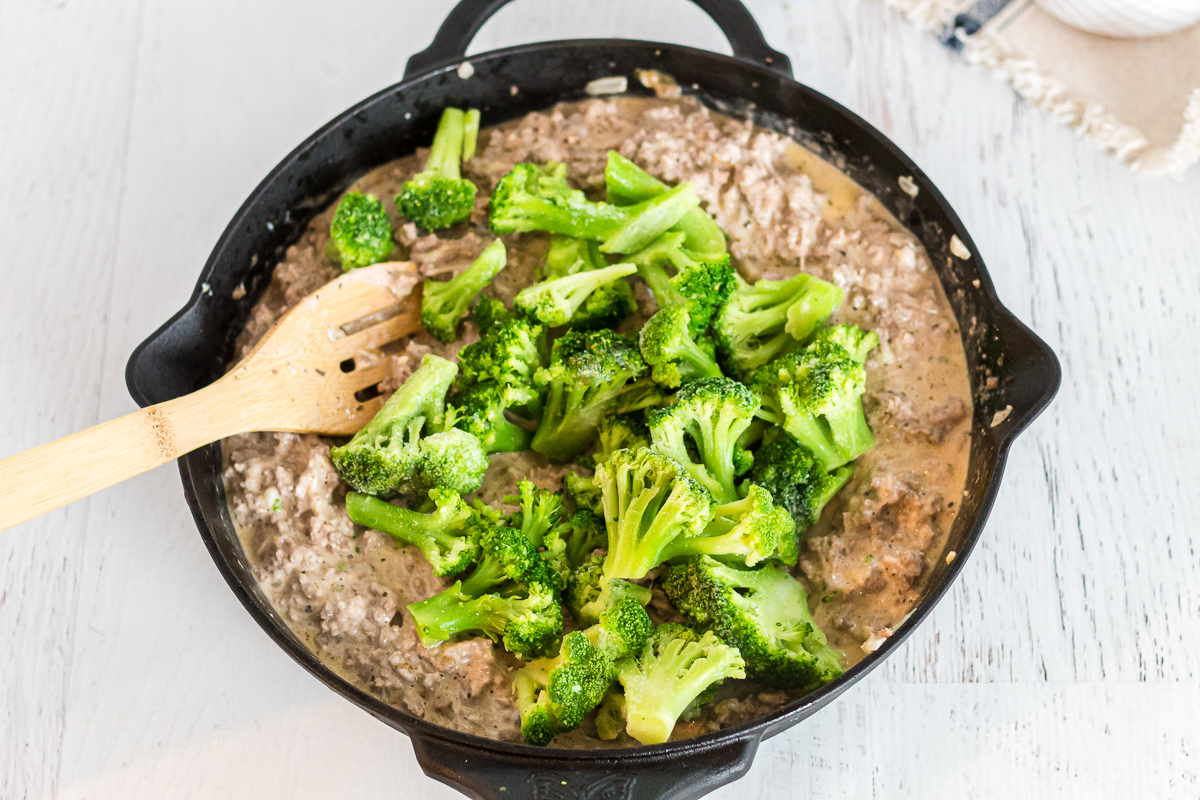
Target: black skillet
{"x":194,"y":346}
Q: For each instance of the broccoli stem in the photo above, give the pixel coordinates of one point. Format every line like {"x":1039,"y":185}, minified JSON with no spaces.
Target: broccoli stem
{"x":510,"y":438}
{"x":449,"y":613}
{"x":447,"y":148}
{"x":470,"y":134}
{"x":651,"y":218}
{"x":486,"y":576}
{"x":411,"y":527}
{"x":702,"y":364}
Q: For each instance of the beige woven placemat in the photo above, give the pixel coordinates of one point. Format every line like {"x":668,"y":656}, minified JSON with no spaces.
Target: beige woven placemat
{"x":1138,"y":99}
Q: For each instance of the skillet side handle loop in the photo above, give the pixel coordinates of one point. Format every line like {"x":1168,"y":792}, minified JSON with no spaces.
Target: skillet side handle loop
{"x":450,"y":44}
{"x":486,"y":775}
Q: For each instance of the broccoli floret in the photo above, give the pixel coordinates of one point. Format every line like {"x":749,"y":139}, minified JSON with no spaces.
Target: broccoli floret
{"x":853,"y":339}
{"x":452,"y":459}
{"x":590,"y":375}
{"x":399,"y":451}
{"x":438,"y":196}
{"x":675,"y":667}
{"x":480,"y":412}
{"x":764,"y":614}
{"x":361,"y":230}
{"x":795,"y":479}
{"x":445,"y":303}
{"x":555,"y":694}
{"x":814,"y":394}
{"x":589,"y":593}
{"x":620,"y":432}
{"x":752,"y":529}
{"x":507,"y":354}
{"x":672,"y":353}
{"x":622,"y":629}
{"x":487,"y":313}
{"x":764,"y":320}
{"x":533,"y":198}
{"x":446,"y":537}
{"x":649,"y":502}
{"x":556,"y":301}
{"x":708,"y":417}
{"x":540,"y":510}
{"x":571,"y":544}
{"x":609,"y":304}
{"x":627,"y":183}
{"x":701,"y":283}
{"x":528,"y":624}
{"x":610,"y":717}
{"x":583,"y":491}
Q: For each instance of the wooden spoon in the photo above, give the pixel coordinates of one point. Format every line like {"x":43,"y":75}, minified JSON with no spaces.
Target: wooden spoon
{"x":293,"y":380}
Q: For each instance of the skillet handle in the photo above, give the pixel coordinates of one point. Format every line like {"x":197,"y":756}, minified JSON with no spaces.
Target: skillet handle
{"x":449,"y":46}
{"x":484,"y":774}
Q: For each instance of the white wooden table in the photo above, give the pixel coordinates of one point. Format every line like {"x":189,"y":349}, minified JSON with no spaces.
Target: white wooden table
{"x":1066,"y":661}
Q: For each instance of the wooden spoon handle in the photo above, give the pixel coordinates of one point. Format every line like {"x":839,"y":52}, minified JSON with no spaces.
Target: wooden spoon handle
{"x":63,"y":471}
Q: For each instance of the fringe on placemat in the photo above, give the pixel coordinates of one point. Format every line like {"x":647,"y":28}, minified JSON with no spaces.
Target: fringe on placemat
{"x":1094,"y":123}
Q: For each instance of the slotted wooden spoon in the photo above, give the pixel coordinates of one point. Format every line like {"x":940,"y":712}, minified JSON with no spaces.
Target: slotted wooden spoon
{"x":293,"y":380}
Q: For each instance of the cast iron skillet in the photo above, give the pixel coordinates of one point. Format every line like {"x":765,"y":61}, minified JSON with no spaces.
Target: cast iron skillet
{"x":193,"y":348}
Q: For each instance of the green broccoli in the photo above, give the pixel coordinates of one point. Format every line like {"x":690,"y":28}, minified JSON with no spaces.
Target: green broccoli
{"x":795,"y":479}
{"x":540,"y":510}
{"x":764,"y":320}
{"x":672,"y":353}
{"x":590,"y":374}
{"x":480,"y":412}
{"x":555,"y":694}
{"x":752,"y":529}
{"x":508,"y":354}
{"x":557,"y":300}
{"x":528,"y":624}
{"x":590,"y":593}
{"x":649,"y":502}
{"x":444,"y":304}
{"x":610,"y":717}
{"x":622,"y":629}
{"x":438,"y":196}
{"x":814,"y":394}
{"x":446,"y":537}
{"x":533,"y":198}
{"x":402,"y":451}
{"x":764,"y":614}
{"x":675,"y":667}
{"x":569,"y":545}
{"x":583,"y":491}
{"x":487,"y":313}
{"x":361,"y":230}
{"x":609,"y":304}
{"x":620,"y":432}
{"x":853,"y":339}
{"x":708,"y":417}
{"x":470,"y":133}
{"x":701,"y":283}
{"x":627,"y":184}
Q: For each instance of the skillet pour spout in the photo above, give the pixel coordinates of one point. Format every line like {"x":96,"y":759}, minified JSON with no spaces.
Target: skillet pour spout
{"x":1013,"y":373}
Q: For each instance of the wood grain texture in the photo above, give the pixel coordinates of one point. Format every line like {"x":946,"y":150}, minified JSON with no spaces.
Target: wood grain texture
{"x":1063,"y":663}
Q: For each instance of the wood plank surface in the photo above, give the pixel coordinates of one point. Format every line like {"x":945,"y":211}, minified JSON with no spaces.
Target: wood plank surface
{"x":1064,"y":663}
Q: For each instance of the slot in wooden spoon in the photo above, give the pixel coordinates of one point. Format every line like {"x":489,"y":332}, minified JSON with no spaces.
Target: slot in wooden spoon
{"x":295,"y":379}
